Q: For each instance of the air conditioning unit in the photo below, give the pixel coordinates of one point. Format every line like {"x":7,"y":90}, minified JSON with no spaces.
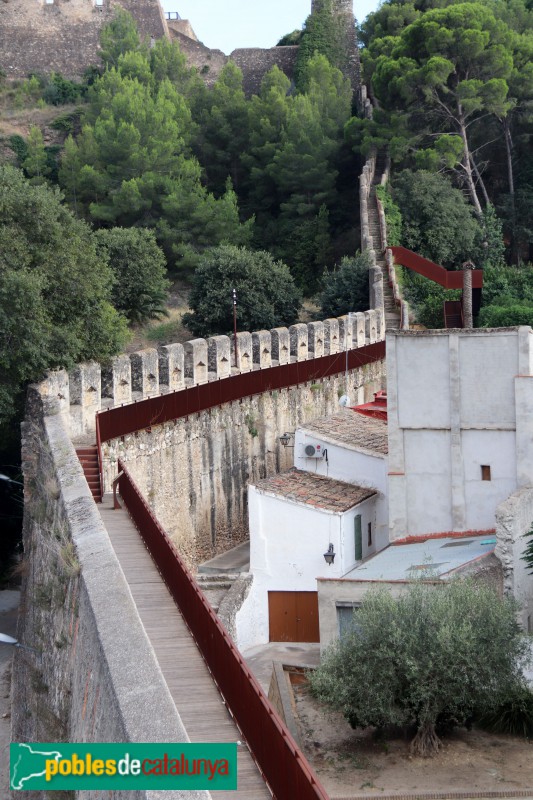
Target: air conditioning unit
{"x":313,"y":451}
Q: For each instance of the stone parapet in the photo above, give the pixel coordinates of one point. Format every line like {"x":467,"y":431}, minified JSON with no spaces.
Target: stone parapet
{"x":245,"y":360}
{"x":281,"y":345}
{"x":172,"y":367}
{"x":145,"y":373}
{"x":79,"y":395}
{"x":262,"y":349}
{"x":196,"y":370}
{"x":219,"y":356}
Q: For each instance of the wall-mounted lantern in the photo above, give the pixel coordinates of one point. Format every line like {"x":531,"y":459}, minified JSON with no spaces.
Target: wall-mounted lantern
{"x":329,"y":556}
{"x":286,"y":439}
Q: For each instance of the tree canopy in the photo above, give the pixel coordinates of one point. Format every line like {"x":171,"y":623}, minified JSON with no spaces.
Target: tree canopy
{"x":434,"y":655}
{"x":437,"y":222}
{"x":346,"y":287}
{"x":55,"y":289}
{"x":139,"y":266}
{"x":266,"y":294}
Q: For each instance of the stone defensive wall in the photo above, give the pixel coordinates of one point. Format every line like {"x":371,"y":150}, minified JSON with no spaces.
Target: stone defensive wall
{"x":208,"y":62}
{"x":63,"y":36}
{"x":194,"y":469}
{"x":374,"y":236}
{"x":91,"y":674}
{"x":255,"y":62}
{"x":88,"y":678}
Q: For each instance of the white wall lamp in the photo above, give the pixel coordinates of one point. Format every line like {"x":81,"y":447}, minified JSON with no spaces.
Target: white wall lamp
{"x":329,"y":556}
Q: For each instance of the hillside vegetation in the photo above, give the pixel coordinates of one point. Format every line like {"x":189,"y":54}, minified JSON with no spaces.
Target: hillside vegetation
{"x":140,"y":144}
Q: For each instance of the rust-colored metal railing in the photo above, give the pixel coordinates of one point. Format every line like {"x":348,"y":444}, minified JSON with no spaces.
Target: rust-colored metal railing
{"x":126,"y":419}
{"x":284,"y":767}
{"x":449,"y":279}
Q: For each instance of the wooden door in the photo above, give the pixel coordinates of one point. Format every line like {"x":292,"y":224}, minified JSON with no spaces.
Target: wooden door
{"x":293,"y":617}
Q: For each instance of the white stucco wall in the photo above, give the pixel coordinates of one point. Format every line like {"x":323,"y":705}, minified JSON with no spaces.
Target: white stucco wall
{"x":287,"y":545}
{"x":344,"y":462}
{"x":454,"y":404}
{"x":352,"y":465}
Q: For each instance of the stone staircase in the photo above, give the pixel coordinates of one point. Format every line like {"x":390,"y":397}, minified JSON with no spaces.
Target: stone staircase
{"x":216,"y":587}
{"x":392,"y":312}
{"x":88,"y":457}
{"x":216,"y":576}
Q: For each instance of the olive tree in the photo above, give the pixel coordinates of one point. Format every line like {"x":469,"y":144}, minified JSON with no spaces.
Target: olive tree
{"x":436,"y":653}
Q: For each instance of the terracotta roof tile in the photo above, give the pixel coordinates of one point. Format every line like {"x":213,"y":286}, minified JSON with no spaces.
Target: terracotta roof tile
{"x":315,"y":490}
{"x":348,"y":427}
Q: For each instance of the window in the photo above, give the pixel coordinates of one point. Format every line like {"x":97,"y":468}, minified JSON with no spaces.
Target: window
{"x":99,"y":2}
{"x":369,"y":543}
{"x":347,"y":617}
{"x":49,"y":2}
{"x":485,"y":473}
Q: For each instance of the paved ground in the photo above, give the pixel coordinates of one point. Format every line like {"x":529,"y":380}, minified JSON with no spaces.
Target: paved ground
{"x":9,"y":601}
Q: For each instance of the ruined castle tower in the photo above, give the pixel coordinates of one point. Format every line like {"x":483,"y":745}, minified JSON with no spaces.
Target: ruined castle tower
{"x":339,"y":6}
{"x":351,"y":66}
{"x":63,"y":35}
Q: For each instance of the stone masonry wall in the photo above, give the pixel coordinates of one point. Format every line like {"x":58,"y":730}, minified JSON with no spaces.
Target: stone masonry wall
{"x":195,"y":471}
{"x":64,"y":36}
{"x":208,"y":62}
{"x":92,"y":674}
{"x":256,"y":62}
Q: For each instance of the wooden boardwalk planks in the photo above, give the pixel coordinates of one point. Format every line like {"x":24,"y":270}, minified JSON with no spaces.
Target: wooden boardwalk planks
{"x":197,"y":699}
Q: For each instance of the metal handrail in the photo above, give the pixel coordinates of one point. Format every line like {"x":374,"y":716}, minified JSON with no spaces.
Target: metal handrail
{"x":127,"y":419}
{"x":281,"y":762}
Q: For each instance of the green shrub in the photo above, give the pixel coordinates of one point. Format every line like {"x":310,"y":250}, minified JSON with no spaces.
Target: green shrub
{"x":20,"y":147}
{"x":514,"y":715}
{"x":266,"y":293}
{"x":61,"y":91}
{"x":505,"y":316}
{"x":66,"y":123}
{"x":346,"y":288}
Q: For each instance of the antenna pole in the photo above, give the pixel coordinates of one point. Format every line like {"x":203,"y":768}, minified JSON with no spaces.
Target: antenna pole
{"x":234,"y":296}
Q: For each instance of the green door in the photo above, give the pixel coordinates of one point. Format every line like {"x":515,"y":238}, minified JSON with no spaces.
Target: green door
{"x":358,"y":533}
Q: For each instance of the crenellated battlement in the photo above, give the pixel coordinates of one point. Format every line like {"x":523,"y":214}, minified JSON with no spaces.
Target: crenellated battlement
{"x":90,"y":388}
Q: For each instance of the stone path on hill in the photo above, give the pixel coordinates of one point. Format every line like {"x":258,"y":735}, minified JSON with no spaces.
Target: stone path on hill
{"x":392,"y":313}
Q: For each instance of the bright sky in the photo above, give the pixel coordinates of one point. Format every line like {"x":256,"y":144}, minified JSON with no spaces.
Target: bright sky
{"x":228,"y":24}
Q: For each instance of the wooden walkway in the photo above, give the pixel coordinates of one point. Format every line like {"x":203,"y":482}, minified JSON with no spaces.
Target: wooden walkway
{"x":197,"y":699}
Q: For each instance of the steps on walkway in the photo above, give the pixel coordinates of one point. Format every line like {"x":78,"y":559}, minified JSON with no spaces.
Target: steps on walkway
{"x":392,"y":313}
{"x":88,"y":457}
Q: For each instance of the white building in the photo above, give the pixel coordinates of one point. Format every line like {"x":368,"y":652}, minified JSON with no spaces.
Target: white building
{"x":455,"y":459}
{"x":335,"y":496}
{"x":460,"y":416}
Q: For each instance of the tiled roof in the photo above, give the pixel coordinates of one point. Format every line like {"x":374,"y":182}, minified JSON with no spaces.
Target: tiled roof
{"x":354,"y":429}
{"x":315,"y":490}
